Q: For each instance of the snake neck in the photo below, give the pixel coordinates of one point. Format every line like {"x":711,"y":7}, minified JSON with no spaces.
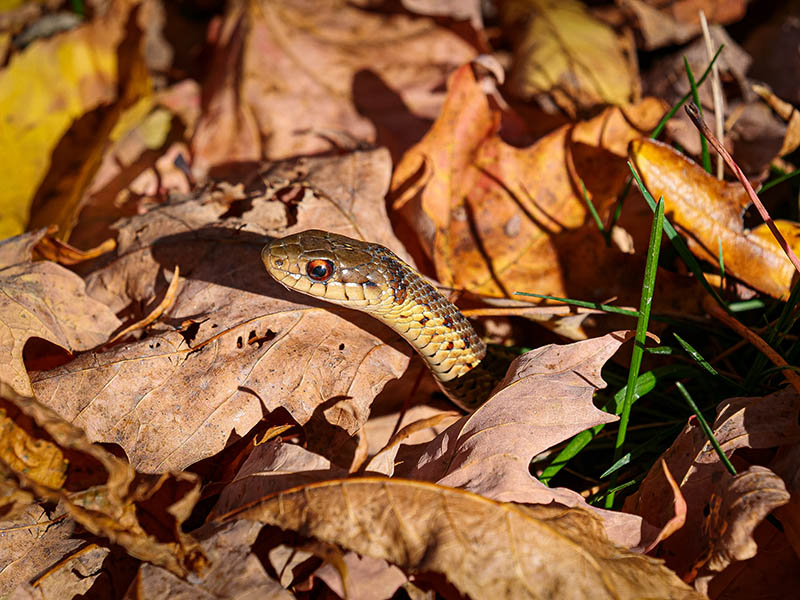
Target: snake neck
{"x":434,"y":326}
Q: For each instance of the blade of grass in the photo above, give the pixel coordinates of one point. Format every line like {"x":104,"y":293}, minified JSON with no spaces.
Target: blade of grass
{"x":777,"y":180}
{"x":606,"y":234}
{"x":702,"y":361}
{"x":706,"y":429}
{"x":645,"y":383}
{"x":678,"y":243}
{"x":663,"y":123}
{"x":746,"y":305}
{"x":648,"y":289}
{"x":721,"y":262}
{"x":696,"y":97}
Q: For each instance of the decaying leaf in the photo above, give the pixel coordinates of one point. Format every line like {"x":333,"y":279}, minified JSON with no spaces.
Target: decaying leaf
{"x":743,"y":502}
{"x":675,"y":21}
{"x":43,"y":300}
{"x":31,"y":542}
{"x":741,"y":423}
{"x":253,"y":346}
{"x":234,"y":572}
{"x":485,"y":548}
{"x":709,"y":213}
{"x":102,"y":492}
{"x":566,"y":53}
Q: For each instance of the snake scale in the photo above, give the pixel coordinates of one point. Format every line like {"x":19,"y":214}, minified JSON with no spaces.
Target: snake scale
{"x":373,"y":279}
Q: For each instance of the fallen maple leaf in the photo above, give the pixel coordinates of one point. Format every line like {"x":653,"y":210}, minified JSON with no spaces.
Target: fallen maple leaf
{"x":497,"y":219}
{"x":43,"y":300}
{"x":486,"y":549}
{"x":709,"y":213}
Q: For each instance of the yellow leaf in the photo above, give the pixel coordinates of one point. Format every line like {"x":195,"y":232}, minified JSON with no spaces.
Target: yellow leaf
{"x":42,"y":91}
{"x":568,"y":53}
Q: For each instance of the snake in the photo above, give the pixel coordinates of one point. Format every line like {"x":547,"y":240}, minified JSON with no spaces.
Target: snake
{"x":371,"y":278}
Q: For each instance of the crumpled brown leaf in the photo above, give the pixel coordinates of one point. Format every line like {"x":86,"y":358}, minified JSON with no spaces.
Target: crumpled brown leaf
{"x":485,"y":548}
{"x":709,"y":212}
{"x":741,"y":423}
{"x":103,"y":493}
{"x":744,"y":500}
{"x":243,"y":343}
{"x":675,"y":21}
{"x":43,"y":300}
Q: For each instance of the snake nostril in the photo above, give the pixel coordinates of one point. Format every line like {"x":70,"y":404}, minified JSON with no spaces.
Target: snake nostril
{"x":278,"y":262}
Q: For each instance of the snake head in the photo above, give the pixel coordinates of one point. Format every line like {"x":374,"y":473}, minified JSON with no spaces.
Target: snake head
{"x":332,"y":267}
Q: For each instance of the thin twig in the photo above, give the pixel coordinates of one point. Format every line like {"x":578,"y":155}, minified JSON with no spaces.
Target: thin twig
{"x":756,"y":340}
{"x":694,"y":115}
{"x":716,"y":92}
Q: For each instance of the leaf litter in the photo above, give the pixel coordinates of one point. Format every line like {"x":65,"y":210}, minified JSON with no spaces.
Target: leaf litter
{"x":174,"y":423}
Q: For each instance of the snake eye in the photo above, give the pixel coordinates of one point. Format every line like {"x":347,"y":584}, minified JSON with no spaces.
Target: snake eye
{"x":320,"y":269}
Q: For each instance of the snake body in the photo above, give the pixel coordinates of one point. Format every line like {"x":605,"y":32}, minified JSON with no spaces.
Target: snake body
{"x":373,"y":279}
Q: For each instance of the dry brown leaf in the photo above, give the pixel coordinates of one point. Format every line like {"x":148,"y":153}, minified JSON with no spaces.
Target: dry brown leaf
{"x":743,"y":501}
{"x":773,"y":573}
{"x":31,"y":543}
{"x":664,"y":22}
{"x":787,"y":465}
{"x":175,"y":397}
{"x":485,"y":548}
{"x":741,"y":423}
{"x":103,"y":494}
{"x":708,"y":212}
{"x":88,"y":570}
{"x":43,"y":300}
{"x":286,"y":73}
{"x":367,"y":578}
{"x":235,"y":572}
{"x":562,"y":51}
{"x":490,"y":221}
{"x":274,"y":467}
{"x":788,"y":113}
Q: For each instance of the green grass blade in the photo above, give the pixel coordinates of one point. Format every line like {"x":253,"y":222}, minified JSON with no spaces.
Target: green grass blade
{"x":696,"y":97}
{"x":777,"y":180}
{"x":648,"y":289}
{"x":595,"y":215}
{"x":678,"y":243}
{"x":663,"y":123}
{"x":706,"y":429}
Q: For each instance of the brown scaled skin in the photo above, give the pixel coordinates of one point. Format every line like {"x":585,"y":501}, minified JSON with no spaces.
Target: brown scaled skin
{"x":371,"y":278}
